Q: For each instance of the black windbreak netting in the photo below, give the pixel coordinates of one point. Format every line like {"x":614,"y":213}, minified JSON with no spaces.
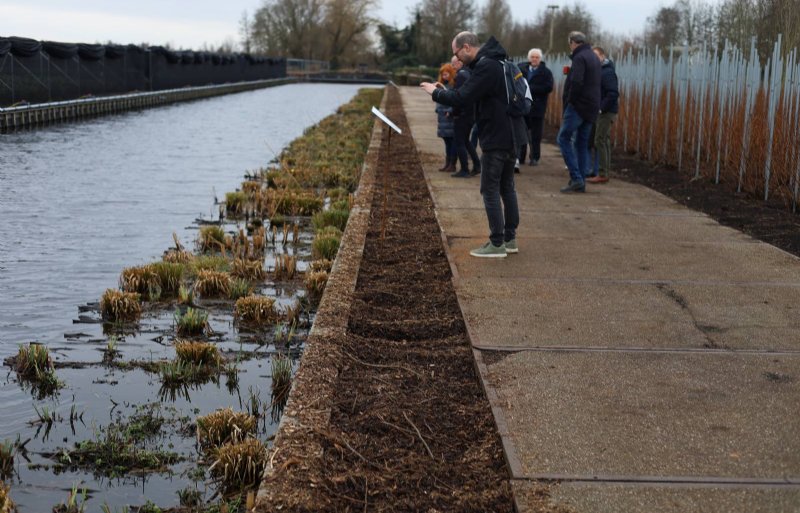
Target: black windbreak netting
{"x":34,"y":71}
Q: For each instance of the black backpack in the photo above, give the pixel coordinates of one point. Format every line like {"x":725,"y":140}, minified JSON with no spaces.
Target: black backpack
{"x":518,"y":93}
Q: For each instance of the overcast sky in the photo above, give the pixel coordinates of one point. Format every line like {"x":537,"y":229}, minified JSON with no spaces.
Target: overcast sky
{"x":189,"y":24}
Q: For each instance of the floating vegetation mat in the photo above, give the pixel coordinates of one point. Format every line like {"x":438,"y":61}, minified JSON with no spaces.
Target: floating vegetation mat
{"x":178,"y":406}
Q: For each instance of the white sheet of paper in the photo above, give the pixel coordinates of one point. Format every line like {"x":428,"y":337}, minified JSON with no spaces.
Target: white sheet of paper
{"x":386,"y":120}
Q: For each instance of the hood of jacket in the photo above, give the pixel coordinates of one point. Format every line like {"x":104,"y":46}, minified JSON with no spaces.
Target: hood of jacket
{"x":491,"y":49}
{"x":609,"y":63}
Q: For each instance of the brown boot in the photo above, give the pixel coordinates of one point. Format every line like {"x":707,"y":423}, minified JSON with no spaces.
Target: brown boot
{"x":446,"y":164}
{"x":451,"y":166}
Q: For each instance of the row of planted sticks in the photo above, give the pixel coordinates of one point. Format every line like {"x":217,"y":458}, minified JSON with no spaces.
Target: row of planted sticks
{"x":719,"y":114}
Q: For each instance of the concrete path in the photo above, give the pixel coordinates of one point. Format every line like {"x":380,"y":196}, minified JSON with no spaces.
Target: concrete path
{"x":638,"y":355}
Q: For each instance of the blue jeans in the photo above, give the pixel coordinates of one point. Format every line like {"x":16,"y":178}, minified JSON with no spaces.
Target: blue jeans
{"x":497,"y":185}
{"x":576,"y":156}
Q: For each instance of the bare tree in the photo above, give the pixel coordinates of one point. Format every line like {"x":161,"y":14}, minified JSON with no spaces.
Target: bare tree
{"x":244,"y":32}
{"x":495,"y":20}
{"x":289,"y":28}
{"x":664,"y":28}
{"x":440,"y":21}
{"x":344,"y":22}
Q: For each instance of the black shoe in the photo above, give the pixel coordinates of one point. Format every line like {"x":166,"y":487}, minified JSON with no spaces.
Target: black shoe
{"x":534,"y":162}
{"x":574,"y":187}
{"x":516,"y":169}
{"x":461,"y":174}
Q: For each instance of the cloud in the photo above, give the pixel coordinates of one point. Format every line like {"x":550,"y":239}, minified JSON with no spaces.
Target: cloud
{"x":93,"y":26}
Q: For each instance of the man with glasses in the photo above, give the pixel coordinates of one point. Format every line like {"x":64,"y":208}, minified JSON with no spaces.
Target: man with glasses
{"x":486,"y":88}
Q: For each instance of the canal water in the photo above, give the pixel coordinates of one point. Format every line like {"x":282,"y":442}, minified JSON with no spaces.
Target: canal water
{"x":78,"y":203}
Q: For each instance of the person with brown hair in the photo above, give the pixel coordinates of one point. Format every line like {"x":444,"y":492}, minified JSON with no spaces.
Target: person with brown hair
{"x":444,"y":119}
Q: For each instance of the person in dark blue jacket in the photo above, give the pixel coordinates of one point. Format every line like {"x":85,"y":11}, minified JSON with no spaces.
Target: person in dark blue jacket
{"x":540,"y":80}
{"x":582,"y":105}
{"x":609,"y":107}
{"x":486,"y":89}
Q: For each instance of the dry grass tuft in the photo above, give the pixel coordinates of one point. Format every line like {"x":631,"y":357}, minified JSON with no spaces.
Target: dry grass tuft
{"x":258,"y":310}
{"x":285,"y":267}
{"x":213,"y":284}
{"x":118,"y":306}
{"x":315,"y":283}
{"x":175,"y":256}
{"x":240,"y":466}
{"x":252,"y":270}
{"x":141,"y":279}
{"x":211,"y":238}
{"x":6,"y":504}
{"x":224,"y":426}
{"x":197,"y":353}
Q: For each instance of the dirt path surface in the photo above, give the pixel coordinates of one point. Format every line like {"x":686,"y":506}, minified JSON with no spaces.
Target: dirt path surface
{"x":402,"y":422}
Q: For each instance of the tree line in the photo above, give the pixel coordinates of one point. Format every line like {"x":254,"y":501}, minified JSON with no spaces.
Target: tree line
{"x":347,"y":33}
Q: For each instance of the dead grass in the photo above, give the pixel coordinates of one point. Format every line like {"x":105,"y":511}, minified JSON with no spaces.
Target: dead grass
{"x":224,"y":426}
{"x":212,"y":284}
{"x":256,"y":310}
{"x":118,"y":306}
{"x":197,"y":353}
{"x":240,"y":466}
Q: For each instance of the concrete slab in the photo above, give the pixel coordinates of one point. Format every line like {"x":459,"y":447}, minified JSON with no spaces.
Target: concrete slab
{"x":621,"y":498}
{"x":556,"y":314}
{"x":636,"y":258}
{"x":627,"y":414}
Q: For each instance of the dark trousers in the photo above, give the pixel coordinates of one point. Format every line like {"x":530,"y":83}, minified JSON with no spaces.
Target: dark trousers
{"x":499,"y":195}
{"x":535,"y":126}
{"x":464,"y":146}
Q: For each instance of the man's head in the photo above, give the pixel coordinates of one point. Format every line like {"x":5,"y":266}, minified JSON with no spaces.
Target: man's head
{"x":576,"y":39}
{"x":456,"y":63}
{"x":534,"y":57}
{"x":465,"y":47}
{"x":601,"y":54}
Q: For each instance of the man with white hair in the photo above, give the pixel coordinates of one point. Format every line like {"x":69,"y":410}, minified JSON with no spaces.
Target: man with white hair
{"x":540,"y":81}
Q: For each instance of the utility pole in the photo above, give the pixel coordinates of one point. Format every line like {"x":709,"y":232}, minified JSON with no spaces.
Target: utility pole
{"x":552,"y":8}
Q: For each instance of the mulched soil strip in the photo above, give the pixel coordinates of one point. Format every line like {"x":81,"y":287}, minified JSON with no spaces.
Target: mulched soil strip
{"x":772,"y":222}
{"x":408,"y":428}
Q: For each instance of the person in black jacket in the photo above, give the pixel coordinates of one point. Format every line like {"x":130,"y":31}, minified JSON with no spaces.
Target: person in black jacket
{"x":609,"y":107}
{"x":486,"y":88}
{"x":463,"y":119}
{"x":540,"y":80}
{"x":582,"y":104}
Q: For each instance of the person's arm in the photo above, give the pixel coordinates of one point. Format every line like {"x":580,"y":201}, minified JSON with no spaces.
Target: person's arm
{"x":478,"y":84}
{"x":611,"y":88}
{"x":543,"y":85}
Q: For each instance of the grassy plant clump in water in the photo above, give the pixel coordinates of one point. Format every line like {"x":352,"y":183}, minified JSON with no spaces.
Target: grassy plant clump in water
{"x":326,"y":243}
{"x":224,"y":426}
{"x":6,"y":504}
{"x":337,"y":193}
{"x":212,"y":284}
{"x":76,"y":501}
{"x":7,"y":451}
{"x":175,"y":256}
{"x":192,"y":322}
{"x":180,"y":373}
{"x":34,"y":365}
{"x":209,"y":263}
{"x":257,"y":310}
{"x":343,"y":204}
{"x":115,"y":451}
{"x":197,"y":353}
{"x":315,"y":283}
{"x":235,"y":202}
{"x":142,"y":280}
{"x":277,"y":220}
{"x":333,"y":217}
{"x":281,"y":377}
{"x":322,"y":264}
{"x":239,"y":288}
{"x":252,"y":270}
{"x":169,"y":276}
{"x":211,"y":238}
{"x":285,"y":267}
{"x":185,"y":296}
{"x":240,"y":466}
{"x":118,"y":306}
